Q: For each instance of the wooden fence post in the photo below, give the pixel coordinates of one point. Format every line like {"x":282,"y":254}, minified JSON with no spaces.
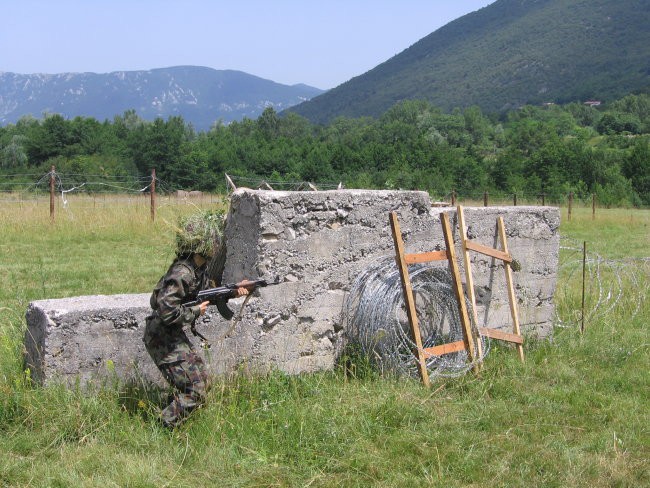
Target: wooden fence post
{"x":153,"y":194}
{"x":485,"y":199}
{"x":453,"y":198}
{"x":52,"y":194}
{"x":570,"y":204}
{"x":584,"y":265}
{"x":514,"y":199}
{"x":543,"y":195}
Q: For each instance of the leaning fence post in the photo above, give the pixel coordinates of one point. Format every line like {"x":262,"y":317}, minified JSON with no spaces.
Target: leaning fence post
{"x":229,"y":182}
{"x":153,"y":194}
{"x":52,"y":194}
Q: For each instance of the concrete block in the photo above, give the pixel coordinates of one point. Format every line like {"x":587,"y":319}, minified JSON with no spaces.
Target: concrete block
{"x":81,"y":339}
{"x":317,"y":242}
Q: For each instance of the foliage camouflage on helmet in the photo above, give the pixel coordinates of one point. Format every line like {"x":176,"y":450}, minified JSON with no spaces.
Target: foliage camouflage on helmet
{"x":200,"y":233}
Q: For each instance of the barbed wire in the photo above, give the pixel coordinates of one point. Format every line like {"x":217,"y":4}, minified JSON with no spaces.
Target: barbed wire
{"x":12,"y":186}
{"x":375,"y":315}
{"x":260,"y":183}
{"x":376,"y":319}
{"x":66,"y":183}
{"x":164,"y":187}
{"x":610,"y":284}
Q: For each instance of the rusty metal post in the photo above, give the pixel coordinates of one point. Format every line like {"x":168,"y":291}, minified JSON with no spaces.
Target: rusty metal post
{"x":584,"y":265}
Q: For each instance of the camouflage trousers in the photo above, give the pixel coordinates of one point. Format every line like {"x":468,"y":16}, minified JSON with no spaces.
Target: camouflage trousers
{"x":180,"y":365}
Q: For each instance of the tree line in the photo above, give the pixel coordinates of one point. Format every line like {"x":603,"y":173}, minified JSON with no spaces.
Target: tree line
{"x":553,"y":149}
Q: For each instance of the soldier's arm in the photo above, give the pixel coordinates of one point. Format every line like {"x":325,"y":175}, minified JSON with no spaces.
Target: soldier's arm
{"x":171,"y":310}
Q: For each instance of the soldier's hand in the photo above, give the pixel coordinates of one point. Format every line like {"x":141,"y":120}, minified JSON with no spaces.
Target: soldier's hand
{"x":204,"y":306}
{"x":241,"y":291}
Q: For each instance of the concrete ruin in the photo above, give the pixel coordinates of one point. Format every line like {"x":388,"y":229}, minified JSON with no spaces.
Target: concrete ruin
{"x":317,"y":242}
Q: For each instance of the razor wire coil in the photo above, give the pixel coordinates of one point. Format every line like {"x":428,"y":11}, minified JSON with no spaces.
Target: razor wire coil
{"x":377,"y":321}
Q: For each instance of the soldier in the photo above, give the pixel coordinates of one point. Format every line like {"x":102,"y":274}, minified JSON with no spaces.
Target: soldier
{"x":199,"y":240}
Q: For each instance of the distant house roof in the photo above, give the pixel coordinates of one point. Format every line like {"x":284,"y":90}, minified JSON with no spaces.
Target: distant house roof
{"x":592,"y":103}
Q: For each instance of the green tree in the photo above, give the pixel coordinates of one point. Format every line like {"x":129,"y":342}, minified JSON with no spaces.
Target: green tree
{"x":636,"y":167}
{"x":13,"y":154}
{"x":48,"y":139}
{"x":268,"y":124}
{"x":86,"y":136}
{"x":158,"y":145}
{"x":507,"y":172}
{"x":294,"y":127}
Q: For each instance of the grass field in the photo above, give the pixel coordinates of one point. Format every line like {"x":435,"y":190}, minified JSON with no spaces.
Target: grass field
{"x":575,"y":414}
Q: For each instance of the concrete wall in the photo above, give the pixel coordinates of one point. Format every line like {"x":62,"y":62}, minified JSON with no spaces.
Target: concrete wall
{"x":317,"y":242}
{"x":88,"y":337}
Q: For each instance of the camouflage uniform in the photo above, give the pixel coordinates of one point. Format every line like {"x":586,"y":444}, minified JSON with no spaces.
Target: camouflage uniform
{"x":166,"y":342}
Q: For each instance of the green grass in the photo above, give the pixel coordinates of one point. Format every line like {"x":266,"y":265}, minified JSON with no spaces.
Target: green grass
{"x":575,"y":414}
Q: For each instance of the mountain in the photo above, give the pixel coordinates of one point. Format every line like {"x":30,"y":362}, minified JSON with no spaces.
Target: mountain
{"x":510,"y":53}
{"x":200,"y":95}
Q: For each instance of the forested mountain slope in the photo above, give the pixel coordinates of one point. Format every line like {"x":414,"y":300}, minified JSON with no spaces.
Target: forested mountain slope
{"x":510,"y":53}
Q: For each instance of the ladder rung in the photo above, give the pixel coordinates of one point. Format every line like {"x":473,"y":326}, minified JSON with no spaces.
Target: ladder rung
{"x":502,"y":336}
{"x":425,"y":257}
{"x":444,"y":349}
{"x":489,"y":251}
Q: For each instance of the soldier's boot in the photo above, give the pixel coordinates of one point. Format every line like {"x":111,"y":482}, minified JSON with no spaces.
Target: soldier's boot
{"x":178,"y":410}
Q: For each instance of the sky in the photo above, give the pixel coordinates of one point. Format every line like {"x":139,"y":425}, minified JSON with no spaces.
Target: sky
{"x":321,"y":43}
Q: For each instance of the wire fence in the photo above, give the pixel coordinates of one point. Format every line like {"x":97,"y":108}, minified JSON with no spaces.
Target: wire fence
{"x":16,"y":188}
{"x":31,"y":187}
{"x":608,"y":284}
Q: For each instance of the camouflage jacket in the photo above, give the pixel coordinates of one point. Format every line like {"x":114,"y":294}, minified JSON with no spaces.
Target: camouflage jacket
{"x":183,"y":280}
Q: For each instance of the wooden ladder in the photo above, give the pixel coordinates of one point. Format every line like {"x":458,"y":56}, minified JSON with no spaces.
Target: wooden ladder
{"x":504,"y":255}
{"x":449,"y":254}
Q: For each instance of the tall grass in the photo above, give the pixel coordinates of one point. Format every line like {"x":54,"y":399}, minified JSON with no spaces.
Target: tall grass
{"x":575,"y":414}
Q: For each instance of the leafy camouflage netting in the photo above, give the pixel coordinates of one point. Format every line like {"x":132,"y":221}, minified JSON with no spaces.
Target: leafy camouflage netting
{"x":201,"y":233}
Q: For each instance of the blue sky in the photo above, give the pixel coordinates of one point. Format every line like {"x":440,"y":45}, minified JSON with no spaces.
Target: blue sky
{"x":321,"y":43}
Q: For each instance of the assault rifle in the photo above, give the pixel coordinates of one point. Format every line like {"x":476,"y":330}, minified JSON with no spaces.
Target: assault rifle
{"x":220,"y":295}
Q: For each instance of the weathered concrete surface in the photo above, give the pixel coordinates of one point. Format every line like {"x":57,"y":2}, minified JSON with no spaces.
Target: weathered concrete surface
{"x":87,"y":337}
{"x":534,"y":243}
{"x":317,"y":242}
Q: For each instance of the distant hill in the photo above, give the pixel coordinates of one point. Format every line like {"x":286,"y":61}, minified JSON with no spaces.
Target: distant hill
{"x":510,"y":53}
{"x":200,"y":95}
